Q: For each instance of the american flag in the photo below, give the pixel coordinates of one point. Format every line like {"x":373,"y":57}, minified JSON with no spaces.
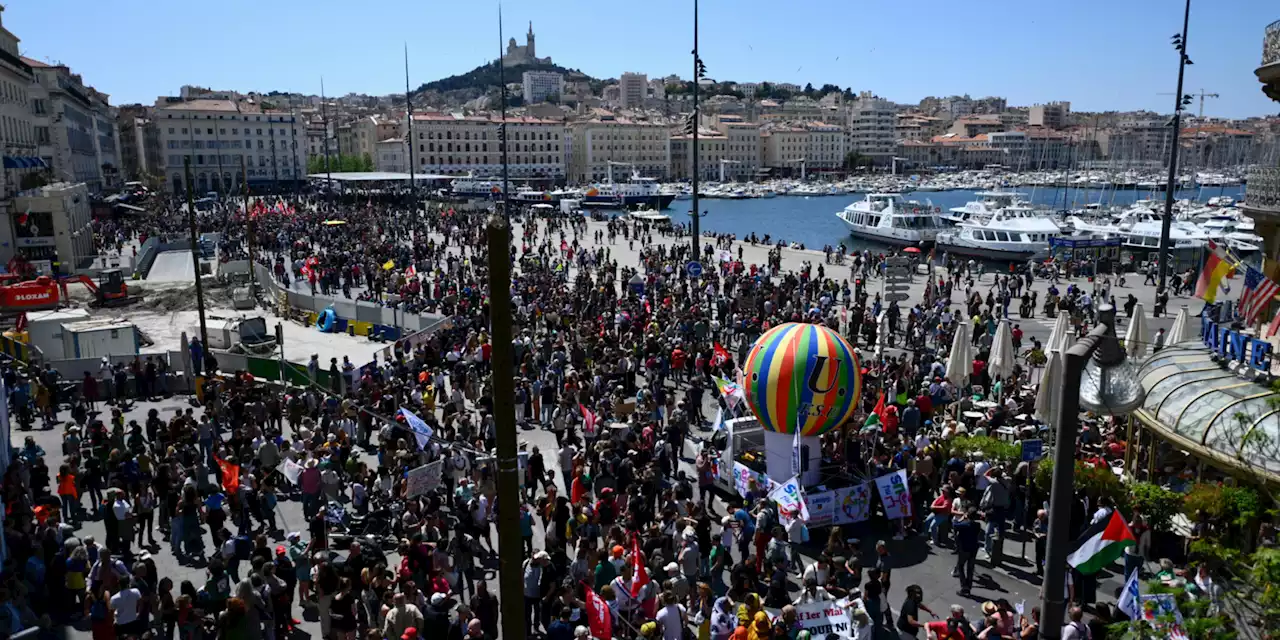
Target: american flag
{"x":1258,"y":291}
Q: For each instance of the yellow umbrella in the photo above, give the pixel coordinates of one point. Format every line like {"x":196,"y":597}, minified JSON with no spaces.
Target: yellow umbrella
{"x":389,"y":265}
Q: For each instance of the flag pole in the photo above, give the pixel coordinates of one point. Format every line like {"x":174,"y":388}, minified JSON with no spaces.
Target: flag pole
{"x":408,"y":105}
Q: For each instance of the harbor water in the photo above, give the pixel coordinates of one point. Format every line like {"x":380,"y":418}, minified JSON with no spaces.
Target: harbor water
{"x":811,"y":220}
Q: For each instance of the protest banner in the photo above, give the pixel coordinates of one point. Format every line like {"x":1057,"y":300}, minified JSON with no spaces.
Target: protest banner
{"x":423,"y":479}
{"x":820,"y":619}
{"x":852,"y":504}
{"x":790,"y":501}
{"x":894,"y":494}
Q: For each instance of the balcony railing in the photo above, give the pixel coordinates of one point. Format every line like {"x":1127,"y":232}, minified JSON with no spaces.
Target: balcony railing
{"x":1263,"y":190}
{"x":1271,"y":44}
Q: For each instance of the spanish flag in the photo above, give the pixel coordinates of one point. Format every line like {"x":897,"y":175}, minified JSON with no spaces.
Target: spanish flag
{"x":1217,"y":265}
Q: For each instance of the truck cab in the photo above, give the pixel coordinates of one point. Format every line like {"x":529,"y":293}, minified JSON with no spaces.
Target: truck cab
{"x":747,"y":448}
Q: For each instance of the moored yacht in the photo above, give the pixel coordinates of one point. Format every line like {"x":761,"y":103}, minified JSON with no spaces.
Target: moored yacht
{"x":891,"y":219}
{"x":1013,"y":233}
{"x":623,"y":195}
{"x":984,"y":207}
{"x":1139,"y":229}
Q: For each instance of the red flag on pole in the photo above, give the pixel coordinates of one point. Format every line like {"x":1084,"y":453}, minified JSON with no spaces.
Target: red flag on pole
{"x":880,"y":408}
{"x":641,"y":577}
{"x":599,"y":617}
{"x":720,"y":356}
{"x":230,"y":475}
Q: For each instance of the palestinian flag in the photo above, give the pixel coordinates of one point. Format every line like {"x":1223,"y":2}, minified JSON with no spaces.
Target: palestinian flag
{"x":1102,"y":544}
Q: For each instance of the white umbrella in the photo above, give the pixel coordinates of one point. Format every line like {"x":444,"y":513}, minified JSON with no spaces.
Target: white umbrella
{"x":1135,"y":337}
{"x":1177,"y":333}
{"x":1046,"y":398}
{"x":960,"y":360}
{"x":1061,"y":329}
{"x":1000,"y":363}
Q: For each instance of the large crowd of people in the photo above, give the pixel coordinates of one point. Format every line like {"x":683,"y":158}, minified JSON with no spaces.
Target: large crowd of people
{"x":618,"y":360}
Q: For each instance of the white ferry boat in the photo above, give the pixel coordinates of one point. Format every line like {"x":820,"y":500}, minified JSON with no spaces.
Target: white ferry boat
{"x":985,"y":207}
{"x":624,"y":195}
{"x":891,"y":219}
{"x":471,"y":187}
{"x":1139,"y":230}
{"x":1015,"y":234}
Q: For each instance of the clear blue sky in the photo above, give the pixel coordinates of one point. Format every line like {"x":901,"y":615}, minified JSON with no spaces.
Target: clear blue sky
{"x":1100,"y":55}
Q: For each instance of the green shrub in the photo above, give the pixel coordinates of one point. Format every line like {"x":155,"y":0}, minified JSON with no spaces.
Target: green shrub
{"x":1204,"y":497}
{"x":1158,"y":505}
{"x":1096,"y":482}
{"x":993,"y":449}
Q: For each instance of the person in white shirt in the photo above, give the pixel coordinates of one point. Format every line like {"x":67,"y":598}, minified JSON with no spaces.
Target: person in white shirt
{"x":980,"y":467}
{"x":122,"y":509}
{"x":125,"y":606}
{"x":812,"y":593}
{"x":1105,"y":506}
{"x":672,"y":617}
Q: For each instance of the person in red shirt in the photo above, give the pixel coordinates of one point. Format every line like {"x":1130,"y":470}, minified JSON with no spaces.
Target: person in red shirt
{"x":925,"y":404}
{"x":955,"y":627}
{"x":890,"y":421}
{"x":677,"y":363}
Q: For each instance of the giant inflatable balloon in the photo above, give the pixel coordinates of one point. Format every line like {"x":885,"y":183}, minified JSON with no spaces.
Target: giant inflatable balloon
{"x":802,"y":376}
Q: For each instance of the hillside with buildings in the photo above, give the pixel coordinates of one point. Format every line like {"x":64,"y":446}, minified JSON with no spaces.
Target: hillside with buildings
{"x":567,"y":127}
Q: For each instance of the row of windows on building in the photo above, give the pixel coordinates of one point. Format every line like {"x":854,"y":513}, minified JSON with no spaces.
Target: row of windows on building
{"x":175,"y":160}
{"x":484,"y":147}
{"x":484,"y":135}
{"x":13,"y":93}
{"x":235,"y":131}
{"x":18,"y":132}
{"x":205,"y":180}
{"x":246,"y":118}
{"x":229,"y":144}
{"x":450,"y":160}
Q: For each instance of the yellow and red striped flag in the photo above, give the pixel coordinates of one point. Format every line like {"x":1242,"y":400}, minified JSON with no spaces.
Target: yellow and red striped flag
{"x":1217,"y":265}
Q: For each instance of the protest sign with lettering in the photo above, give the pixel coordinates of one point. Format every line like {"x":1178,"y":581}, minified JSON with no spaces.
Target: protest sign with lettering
{"x":423,"y":479}
{"x":895,"y":495}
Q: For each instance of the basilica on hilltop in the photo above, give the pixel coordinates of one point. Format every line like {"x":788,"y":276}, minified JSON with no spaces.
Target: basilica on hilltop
{"x":528,"y":54}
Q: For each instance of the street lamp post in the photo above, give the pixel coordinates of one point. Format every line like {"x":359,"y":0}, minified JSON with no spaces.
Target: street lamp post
{"x":1181,"y":101}
{"x":697,"y":75}
{"x":1096,"y":377}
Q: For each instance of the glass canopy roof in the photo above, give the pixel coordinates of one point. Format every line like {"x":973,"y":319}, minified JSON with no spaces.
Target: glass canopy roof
{"x":1212,"y":412}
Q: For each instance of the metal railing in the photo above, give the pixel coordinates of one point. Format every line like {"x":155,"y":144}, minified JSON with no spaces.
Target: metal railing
{"x":1263,"y":188}
{"x":1271,"y":44}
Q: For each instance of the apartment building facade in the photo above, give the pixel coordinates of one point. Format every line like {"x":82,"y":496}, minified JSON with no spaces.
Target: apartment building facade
{"x":17,"y":134}
{"x":602,"y":141}
{"x":458,"y":144}
{"x":75,"y":127}
{"x":217,"y":135}
{"x":871,"y":128}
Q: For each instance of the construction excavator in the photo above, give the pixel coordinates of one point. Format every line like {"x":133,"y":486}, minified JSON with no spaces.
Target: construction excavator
{"x":45,"y":292}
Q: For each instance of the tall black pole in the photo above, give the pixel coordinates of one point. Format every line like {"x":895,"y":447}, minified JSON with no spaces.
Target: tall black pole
{"x":510,"y":549}
{"x":502,"y":131}
{"x":696,"y":213}
{"x":1172,"y":185}
{"x":248,"y":230}
{"x":324,"y":115}
{"x":195,"y":258}
{"x":408,"y":105}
